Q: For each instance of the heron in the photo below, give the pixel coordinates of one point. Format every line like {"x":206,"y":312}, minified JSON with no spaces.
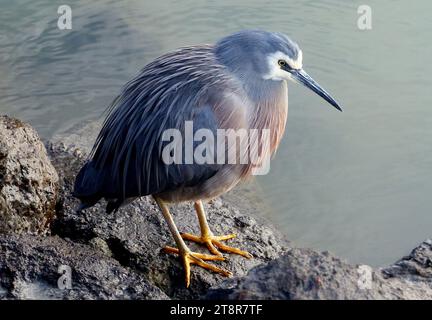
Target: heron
{"x":240,"y":82}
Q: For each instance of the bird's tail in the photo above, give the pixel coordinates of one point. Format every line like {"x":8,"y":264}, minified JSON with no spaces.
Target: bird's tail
{"x":114,"y":204}
{"x":84,"y":205}
{"x":87,"y":186}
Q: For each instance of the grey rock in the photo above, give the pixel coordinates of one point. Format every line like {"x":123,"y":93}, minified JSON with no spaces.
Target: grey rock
{"x":28,"y":181}
{"x":101,"y":245}
{"x":29,"y":269}
{"x":80,"y":137}
{"x":136,"y":234}
{"x":307,"y":274}
{"x":118,"y":256}
{"x":415,"y":267}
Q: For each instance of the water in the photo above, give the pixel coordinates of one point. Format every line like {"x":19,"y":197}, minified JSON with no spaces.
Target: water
{"x":356,"y":183}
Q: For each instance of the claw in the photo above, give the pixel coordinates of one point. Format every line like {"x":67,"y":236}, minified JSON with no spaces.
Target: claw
{"x":213,"y":242}
{"x":189,"y":257}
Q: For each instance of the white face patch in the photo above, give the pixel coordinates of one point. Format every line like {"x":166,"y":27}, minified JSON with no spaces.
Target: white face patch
{"x":276,"y":73}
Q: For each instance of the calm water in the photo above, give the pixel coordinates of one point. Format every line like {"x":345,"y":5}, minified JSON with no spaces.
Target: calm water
{"x":357,"y":183}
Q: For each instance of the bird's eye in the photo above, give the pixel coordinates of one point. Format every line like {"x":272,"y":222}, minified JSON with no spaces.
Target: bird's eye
{"x":282,"y":63}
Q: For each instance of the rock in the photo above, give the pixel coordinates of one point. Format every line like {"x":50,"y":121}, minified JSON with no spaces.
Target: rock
{"x":30,"y":269}
{"x":101,"y":245}
{"x":28,"y":181}
{"x":415,"y":267}
{"x":307,"y":274}
{"x":136,"y":234}
{"x":118,"y":256}
{"x":80,"y":137}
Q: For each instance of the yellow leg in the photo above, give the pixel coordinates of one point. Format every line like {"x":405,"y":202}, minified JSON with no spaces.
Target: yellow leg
{"x":212,"y":242}
{"x":188,"y":257}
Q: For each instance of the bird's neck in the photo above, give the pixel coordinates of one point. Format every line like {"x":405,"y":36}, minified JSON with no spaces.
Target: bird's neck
{"x":264,"y":91}
{"x":270,"y":109}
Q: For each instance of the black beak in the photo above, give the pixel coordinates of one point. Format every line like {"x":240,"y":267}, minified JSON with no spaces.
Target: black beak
{"x":301,"y":76}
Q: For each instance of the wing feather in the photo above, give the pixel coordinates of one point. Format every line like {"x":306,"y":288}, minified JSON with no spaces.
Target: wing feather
{"x":126,"y":158}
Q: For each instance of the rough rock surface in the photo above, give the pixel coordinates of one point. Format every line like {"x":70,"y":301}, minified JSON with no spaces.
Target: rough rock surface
{"x":307,"y":274}
{"x":30,"y":270}
{"x":28,"y":181}
{"x":118,"y":256}
{"x":136,"y":233}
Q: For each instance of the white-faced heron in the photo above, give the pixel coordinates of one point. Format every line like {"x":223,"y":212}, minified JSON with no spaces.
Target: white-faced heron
{"x":238,"y":83}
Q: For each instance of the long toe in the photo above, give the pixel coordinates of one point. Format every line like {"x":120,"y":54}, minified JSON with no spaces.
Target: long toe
{"x":202,"y":256}
{"x":195,"y":259}
{"x":189,"y":257}
{"x":214,"y":243}
{"x":229,"y":249}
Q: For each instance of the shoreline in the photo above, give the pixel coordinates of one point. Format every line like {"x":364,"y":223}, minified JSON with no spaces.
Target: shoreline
{"x":118,"y":256}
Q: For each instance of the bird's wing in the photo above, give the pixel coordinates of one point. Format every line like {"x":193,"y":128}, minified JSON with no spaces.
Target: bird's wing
{"x":186,"y":85}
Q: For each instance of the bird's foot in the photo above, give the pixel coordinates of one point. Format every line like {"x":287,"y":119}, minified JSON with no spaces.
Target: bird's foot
{"x":188,"y":257}
{"x":214,"y":243}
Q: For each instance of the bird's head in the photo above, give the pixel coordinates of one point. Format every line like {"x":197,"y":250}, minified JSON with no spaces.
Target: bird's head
{"x":256,"y":55}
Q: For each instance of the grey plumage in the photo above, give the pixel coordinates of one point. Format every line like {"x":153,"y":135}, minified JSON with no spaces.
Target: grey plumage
{"x":125,"y":161}
{"x":220,"y":86}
